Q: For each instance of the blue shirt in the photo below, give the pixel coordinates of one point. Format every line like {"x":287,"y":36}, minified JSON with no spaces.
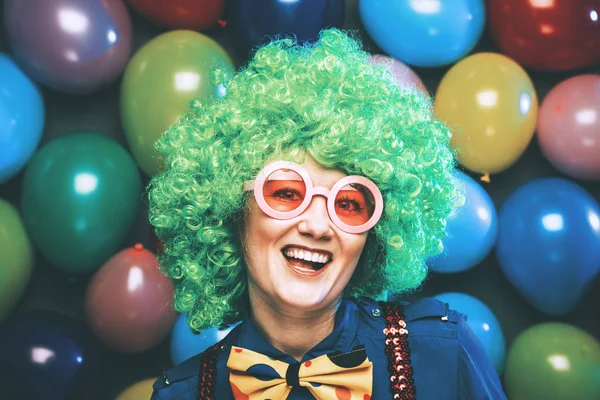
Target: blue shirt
{"x":448,"y":360}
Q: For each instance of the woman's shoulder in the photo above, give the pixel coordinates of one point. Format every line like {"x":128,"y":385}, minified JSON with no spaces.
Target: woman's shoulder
{"x":181,"y":381}
{"x":441,"y":340}
{"x":424,"y":317}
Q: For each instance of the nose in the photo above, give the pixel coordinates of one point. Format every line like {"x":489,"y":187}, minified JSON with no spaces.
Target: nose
{"x":315,"y":220}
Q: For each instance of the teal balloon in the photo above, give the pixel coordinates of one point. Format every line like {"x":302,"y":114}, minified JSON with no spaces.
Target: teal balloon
{"x":81,"y":194}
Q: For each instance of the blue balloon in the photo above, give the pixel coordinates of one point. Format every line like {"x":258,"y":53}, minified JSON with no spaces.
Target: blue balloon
{"x":428,"y":33}
{"x":483,"y":322}
{"x":471,"y":229}
{"x":46,"y":355}
{"x":186,"y":344}
{"x":549,"y":243}
{"x":21,"y":118}
{"x":255,"y":22}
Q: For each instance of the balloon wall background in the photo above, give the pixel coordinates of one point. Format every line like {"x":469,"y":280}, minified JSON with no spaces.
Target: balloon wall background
{"x":86,"y":86}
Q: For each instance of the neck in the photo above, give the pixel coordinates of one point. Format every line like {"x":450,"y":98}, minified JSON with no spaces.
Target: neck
{"x":291,"y":330}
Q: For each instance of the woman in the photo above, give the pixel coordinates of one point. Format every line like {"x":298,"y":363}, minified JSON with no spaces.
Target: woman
{"x":312,"y":187}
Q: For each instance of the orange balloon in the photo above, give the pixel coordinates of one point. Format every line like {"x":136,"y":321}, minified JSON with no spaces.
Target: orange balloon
{"x":491,"y":106}
{"x":129,"y":302}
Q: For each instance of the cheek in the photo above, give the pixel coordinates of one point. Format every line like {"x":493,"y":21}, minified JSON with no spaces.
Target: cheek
{"x":355,"y":245}
{"x":257,"y":223}
{"x":352,"y":251}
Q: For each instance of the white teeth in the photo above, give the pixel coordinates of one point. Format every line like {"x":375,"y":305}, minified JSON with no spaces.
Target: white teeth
{"x":308,"y":256}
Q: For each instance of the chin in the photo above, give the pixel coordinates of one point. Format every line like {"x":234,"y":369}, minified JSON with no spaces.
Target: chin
{"x":306,"y":295}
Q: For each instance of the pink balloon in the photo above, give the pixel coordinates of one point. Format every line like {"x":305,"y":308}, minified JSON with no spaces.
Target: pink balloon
{"x":403,"y":75}
{"x":129,"y":302}
{"x":568,"y":127}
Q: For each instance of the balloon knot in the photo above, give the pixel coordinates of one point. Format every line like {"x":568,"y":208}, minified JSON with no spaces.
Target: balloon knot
{"x":138,"y":246}
{"x":222,"y":23}
{"x":485,"y":177}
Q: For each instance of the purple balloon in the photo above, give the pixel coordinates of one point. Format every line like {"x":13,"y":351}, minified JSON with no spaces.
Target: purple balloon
{"x":73,"y":46}
{"x":47,"y":355}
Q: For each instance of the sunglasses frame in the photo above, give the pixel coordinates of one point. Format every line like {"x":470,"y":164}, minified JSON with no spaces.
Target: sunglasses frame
{"x":257,"y":187}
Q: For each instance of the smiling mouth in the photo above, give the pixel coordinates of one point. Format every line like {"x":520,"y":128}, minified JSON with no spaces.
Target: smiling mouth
{"x":302,"y":261}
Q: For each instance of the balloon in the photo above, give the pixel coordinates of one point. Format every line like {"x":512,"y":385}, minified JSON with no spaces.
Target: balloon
{"x":128,"y":303}
{"x":46,"y":355}
{"x":471,"y":230}
{"x":402,"y":74}
{"x":80,"y":197}
{"x":424,"y":33}
{"x":186,"y":344}
{"x":491,"y":105}
{"x":482,"y":321}
{"x":255,"y":22}
{"x":550,"y":35}
{"x":16,"y":258}
{"x":553,"y":361}
{"x":73,"y":46}
{"x":22,"y":121}
{"x":162,"y":78}
{"x":138,"y":391}
{"x":549,"y":243}
{"x":569,"y":126}
{"x":181,"y":14}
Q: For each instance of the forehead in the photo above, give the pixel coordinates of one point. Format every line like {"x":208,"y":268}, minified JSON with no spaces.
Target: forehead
{"x":321,"y":176}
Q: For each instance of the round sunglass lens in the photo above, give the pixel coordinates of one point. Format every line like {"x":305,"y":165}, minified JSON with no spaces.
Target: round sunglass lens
{"x":354,"y":204}
{"x":284,"y":190}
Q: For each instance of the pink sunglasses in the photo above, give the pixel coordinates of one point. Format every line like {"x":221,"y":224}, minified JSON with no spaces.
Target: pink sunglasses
{"x":283,"y":190}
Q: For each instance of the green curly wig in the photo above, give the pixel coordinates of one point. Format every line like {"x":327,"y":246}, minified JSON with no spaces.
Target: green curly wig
{"x":328,"y":101}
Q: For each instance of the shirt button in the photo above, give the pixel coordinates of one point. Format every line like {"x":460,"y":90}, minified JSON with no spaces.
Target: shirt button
{"x":376,"y":312}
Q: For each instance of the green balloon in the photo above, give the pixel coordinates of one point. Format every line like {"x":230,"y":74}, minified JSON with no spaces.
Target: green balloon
{"x":553,"y":361}
{"x":16,"y":258}
{"x":81,"y":194}
{"x":158,"y":84}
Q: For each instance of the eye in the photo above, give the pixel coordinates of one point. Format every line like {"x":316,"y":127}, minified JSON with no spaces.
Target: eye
{"x":349,"y":205}
{"x":287,"y":194}
{"x":284,"y":195}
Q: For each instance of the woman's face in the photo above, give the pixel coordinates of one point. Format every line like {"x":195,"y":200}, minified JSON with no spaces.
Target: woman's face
{"x":274,"y":249}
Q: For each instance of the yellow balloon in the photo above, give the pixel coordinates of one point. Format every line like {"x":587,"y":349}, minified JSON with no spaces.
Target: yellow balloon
{"x":491,"y":106}
{"x":158,"y":84}
{"x":138,"y":391}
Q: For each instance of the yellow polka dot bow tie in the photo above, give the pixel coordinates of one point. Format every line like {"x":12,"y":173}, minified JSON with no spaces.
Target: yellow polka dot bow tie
{"x":347,"y":376}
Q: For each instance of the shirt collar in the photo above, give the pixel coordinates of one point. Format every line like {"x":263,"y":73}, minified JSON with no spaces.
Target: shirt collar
{"x":345,"y":329}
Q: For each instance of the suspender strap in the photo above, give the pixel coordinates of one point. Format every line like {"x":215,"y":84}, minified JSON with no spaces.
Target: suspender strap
{"x":397,"y":351}
{"x":207,"y":378}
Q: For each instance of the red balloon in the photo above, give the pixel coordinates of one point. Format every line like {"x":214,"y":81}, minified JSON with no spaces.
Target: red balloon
{"x":550,"y":35}
{"x":181,"y":14}
{"x":129,"y":302}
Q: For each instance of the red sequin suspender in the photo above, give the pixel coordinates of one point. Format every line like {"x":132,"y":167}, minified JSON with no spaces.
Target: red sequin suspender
{"x":207,"y":379}
{"x":397,"y":351}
